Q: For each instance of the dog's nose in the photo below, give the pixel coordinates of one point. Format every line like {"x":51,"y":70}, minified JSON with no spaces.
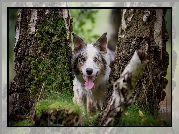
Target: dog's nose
{"x":89,"y":71}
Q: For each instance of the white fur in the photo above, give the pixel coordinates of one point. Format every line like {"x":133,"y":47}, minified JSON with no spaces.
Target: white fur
{"x":98,"y":93}
{"x":91,"y":52}
{"x":134,"y":67}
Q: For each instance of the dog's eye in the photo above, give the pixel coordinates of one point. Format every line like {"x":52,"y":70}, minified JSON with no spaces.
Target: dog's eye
{"x":82,"y":59}
{"x":95,"y":59}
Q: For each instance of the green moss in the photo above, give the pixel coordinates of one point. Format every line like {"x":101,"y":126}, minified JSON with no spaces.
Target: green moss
{"x":57,"y":103}
{"x":51,"y":69}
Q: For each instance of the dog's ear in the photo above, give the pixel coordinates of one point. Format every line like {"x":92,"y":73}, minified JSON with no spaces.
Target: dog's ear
{"x":78,"y":43}
{"x":101,"y":43}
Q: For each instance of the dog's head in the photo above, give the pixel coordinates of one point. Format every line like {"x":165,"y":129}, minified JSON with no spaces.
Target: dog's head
{"x":89,"y":60}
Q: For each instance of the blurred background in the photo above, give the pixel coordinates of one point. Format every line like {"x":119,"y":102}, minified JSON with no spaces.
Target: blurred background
{"x":89,"y":24}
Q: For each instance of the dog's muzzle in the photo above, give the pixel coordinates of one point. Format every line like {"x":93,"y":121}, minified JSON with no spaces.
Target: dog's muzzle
{"x":89,"y":71}
{"x":89,"y":78}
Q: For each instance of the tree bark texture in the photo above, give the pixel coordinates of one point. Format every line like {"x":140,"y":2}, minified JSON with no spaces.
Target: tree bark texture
{"x":42,"y":53}
{"x":143,"y":29}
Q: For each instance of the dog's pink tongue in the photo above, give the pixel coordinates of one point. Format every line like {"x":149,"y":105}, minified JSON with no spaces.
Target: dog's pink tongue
{"x":89,"y":82}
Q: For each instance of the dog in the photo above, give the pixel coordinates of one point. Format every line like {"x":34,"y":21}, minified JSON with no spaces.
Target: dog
{"x":90,"y":66}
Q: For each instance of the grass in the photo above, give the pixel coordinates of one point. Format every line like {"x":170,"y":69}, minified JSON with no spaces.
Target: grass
{"x":64,"y":102}
{"x":136,"y":116}
{"x":57,"y":102}
{"x":25,"y":122}
{"x":60,"y":102}
{"x":91,"y":120}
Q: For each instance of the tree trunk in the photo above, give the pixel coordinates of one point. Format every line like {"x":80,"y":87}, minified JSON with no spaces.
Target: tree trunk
{"x":42,"y":53}
{"x":143,"y":29}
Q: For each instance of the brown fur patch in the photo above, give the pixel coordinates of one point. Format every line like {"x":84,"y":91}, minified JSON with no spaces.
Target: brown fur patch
{"x":78,"y":43}
{"x":101,"y":43}
{"x":85,"y":56}
{"x":80,"y":64}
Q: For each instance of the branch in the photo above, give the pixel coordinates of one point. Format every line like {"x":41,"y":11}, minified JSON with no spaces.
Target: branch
{"x":123,"y":89}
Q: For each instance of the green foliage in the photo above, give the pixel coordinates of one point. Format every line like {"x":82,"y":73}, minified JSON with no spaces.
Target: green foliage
{"x":25,"y":122}
{"x":12,"y":20}
{"x":83,"y":23}
{"x":11,"y":42}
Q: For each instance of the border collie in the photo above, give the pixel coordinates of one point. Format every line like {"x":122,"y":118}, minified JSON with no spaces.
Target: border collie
{"x":90,"y":65}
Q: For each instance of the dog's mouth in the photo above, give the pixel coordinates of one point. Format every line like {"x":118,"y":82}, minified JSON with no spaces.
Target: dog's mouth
{"x":89,"y":81}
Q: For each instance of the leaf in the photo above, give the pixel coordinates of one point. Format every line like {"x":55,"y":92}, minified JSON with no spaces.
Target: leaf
{"x":53,"y":117}
{"x":126,"y":113}
{"x":27,"y":117}
{"x":90,"y":117}
{"x":141,"y":114}
{"x":159,"y":120}
{"x":143,"y":119}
